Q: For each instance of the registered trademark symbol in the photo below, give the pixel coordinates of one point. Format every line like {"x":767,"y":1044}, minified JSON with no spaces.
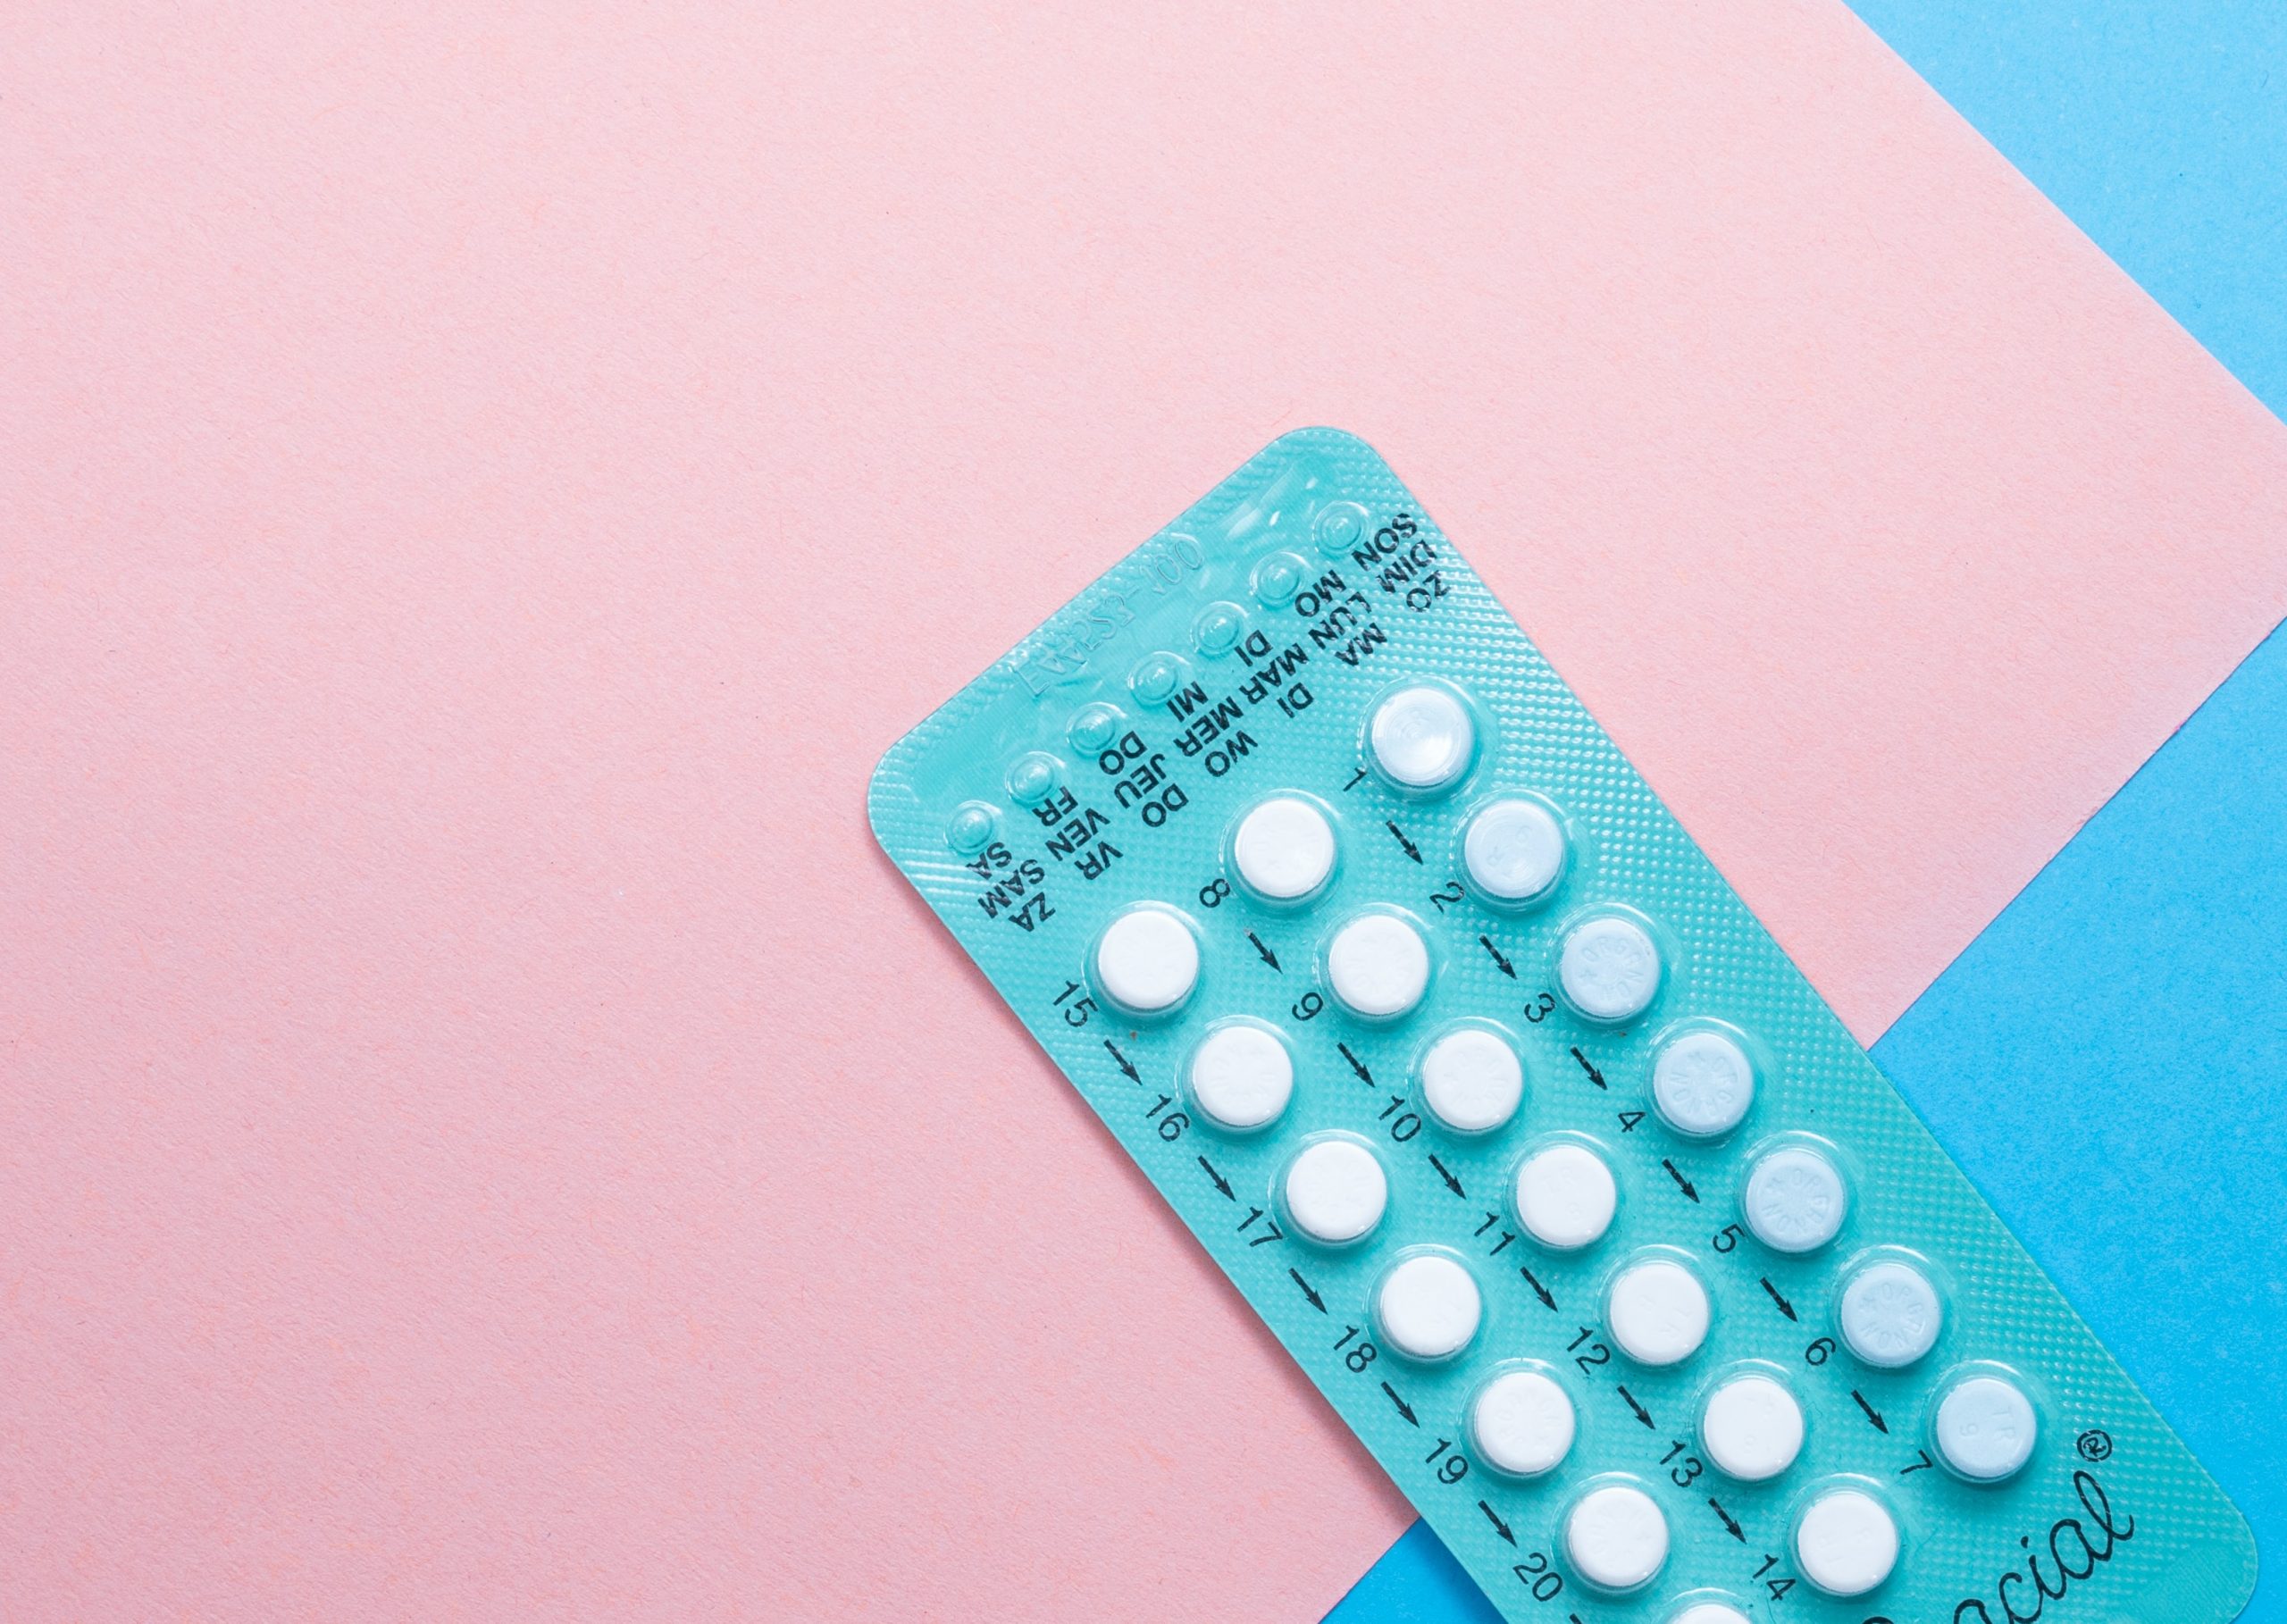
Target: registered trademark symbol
{"x":2095,"y":1444}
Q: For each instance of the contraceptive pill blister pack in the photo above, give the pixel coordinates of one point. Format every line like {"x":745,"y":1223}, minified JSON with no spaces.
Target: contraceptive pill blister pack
{"x":1567,"y":1190}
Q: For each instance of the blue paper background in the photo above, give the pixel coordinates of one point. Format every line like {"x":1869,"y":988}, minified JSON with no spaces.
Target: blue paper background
{"x":2108,"y":1063}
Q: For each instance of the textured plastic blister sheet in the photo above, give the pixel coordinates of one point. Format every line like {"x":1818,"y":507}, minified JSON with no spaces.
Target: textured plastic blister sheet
{"x":1238,"y":654}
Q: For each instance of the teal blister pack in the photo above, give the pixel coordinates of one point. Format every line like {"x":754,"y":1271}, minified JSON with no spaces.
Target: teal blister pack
{"x":1563,"y":1184}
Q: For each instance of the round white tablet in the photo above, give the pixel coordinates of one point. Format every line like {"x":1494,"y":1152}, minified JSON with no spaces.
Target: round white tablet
{"x":1241,"y":1077}
{"x":1336,"y":1190}
{"x":1428,"y":1307}
{"x":1710,"y":1612}
{"x":1421,"y":737}
{"x":1609,"y":969}
{"x":1147,"y":961}
{"x":1890,"y":1315}
{"x":1846,"y":1543}
{"x":1616,"y":1538}
{"x":1565,"y":1196}
{"x":1514,"y":850}
{"x":1985,"y":1429}
{"x":1471,"y":1080}
{"x":1522,"y":1424}
{"x":1658,"y":1313}
{"x":1283,"y":848}
{"x":1702,"y":1085}
{"x":1795,"y":1199}
{"x":1377,"y":966}
{"x":1751,"y":1428}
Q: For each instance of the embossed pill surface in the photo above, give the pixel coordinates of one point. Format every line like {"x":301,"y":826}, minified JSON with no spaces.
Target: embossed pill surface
{"x":1428,"y":1307}
{"x":1422,"y":737}
{"x":1377,"y":966}
{"x":1528,"y":1144}
{"x":1522,"y":1424}
{"x":1846,"y":1542}
{"x":1242,"y":1076}
{"x":1283,"y":848}
{"x":1616,"y":1538}
{"x":1336,"y":1191}
{"x":1471,"y":1080}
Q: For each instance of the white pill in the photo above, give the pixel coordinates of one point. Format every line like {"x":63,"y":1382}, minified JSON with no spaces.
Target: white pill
{"x":1846,"y":1543}
{"x":1702,"y":1085}
{"x":1609,"y":969}
{"x":1336,"y":1190}
{"x":1377,"y":966}
{"x":1422,"y":737}
{"x":1147,"y":961}
{"x":1890,"y":1315}
{"x":1241,"y":1077}
{"x":1710,"y":1612}
{"x":1514,"y":850}
{"x":1658,"y":1313}
{"x":1751,"y":1428}
{"x":1283,"y":848}
{"x":1471,"y":1080}
{"x":1616,"y":1538}
{"x":1428,"y":1307}
{"x":1985,"y":1429}
{"x":1795,"y":1199}
{"x":1565,"y":1196}
{"x":1522,"y":1424}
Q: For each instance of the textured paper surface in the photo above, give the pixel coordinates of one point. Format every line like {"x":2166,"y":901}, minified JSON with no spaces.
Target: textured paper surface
{"x":480,"y":1130}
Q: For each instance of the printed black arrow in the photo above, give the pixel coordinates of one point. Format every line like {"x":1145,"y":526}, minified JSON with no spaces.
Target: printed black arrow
{"x":1452,"y":1183}
{"x":1499,"y":1527}
{"x":1316,"y":1301}
{"x":1682,"y":1182}
{"x":1355,"y":779}
{"x":1539,"y":1290}
{"x":1595,"y":1076}
{"x":1784,"y":1307}
{"x":1642,"y":1414}
{"x":1125,"y":1064}
{"x":1269,"y":957}
{"x":1873,"y":1414}
{"x":1729,"y":1522}
{"x":1412,"y":849}
{"x":1403,"y":1408}
{"x":1500,"y":959}
{"x":1356,"y":1064}
{"x":1222,"y":1183}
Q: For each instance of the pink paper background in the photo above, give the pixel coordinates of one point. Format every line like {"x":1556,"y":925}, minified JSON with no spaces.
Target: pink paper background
{"x":483,"y":1133}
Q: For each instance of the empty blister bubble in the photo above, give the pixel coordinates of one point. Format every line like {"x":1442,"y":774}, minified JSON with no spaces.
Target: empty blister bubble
{"x":1514,"y":850}
{"x":1471,"y":1080}
{"x":1702,"y":1083}
{"x":1846,"y":1542}
{"x":1985,"y":1429}
{"x":1521,"y":1423}
{"x":1241,"y":1077}
{"x":1565,"y":1196}
{"x":1890,"y":1315}
{"x":1795,"y":1198}
{"x":1377,"y":966}
{"x":1362,"y":938}
{"x":1336,"y":1190}
{"x":1608,"y":968}
{"x":1283,"y":848}
{"x":1658,"y":1311}
{"x":1751,"y":1428}
{"x":1616,"y":1538}
{"x":1421,"y":737}
{"x":1147,"y":961}
{"x":1428,"y":1307}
